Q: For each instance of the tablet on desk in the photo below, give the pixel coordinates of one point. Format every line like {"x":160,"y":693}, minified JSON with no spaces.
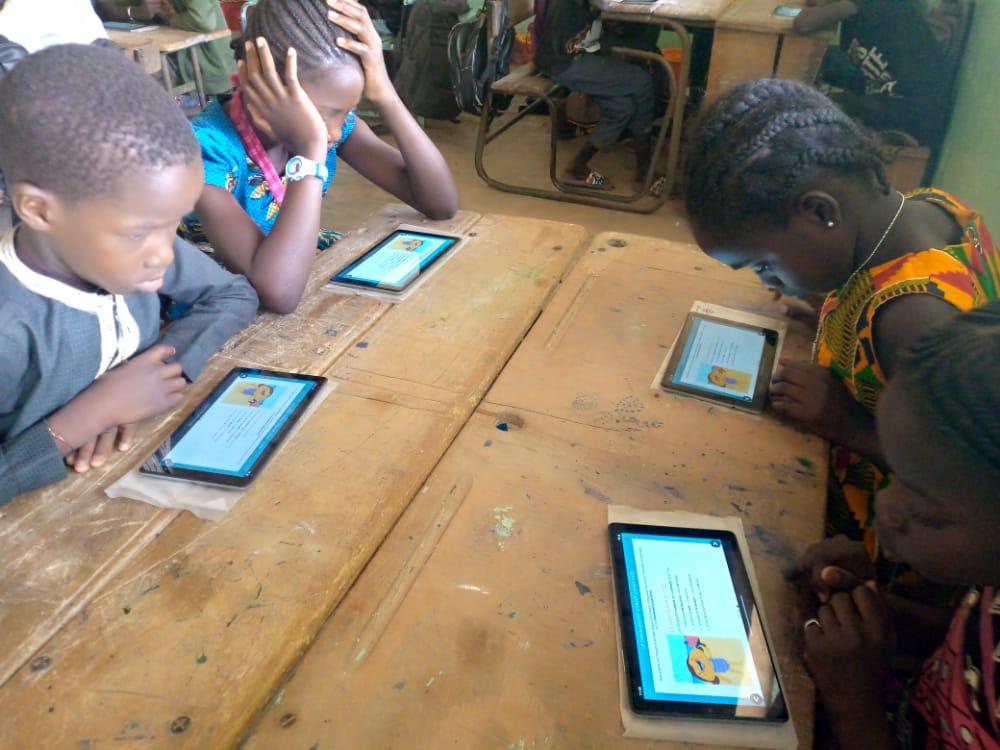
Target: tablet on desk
{"x":229,"y":438}
{"x":398,"y":260}
{"x":692,"y":633}
{"x":129,"y":26}
{"x":723,"y":360}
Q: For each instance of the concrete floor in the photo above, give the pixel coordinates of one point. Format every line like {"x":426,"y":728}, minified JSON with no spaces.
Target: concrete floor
{"x":520,"y":154}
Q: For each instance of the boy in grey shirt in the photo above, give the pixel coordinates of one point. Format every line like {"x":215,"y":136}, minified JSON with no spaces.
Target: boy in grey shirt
{"x":101,"y":166}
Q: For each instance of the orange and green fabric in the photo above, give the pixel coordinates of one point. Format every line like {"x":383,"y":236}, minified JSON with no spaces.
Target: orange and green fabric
{"x":966,"y":274}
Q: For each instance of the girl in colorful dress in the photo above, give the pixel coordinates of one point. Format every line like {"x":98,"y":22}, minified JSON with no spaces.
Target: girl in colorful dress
{"x":270,"y":151}
{"x":782,"y":182}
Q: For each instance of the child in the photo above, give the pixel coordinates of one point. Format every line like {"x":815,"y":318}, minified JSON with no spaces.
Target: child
{"x":215,"y":58}
{"x":567,"y":53}
{"x":938,"y":423}
{"x":896,"y":75}
{"x":263,"y":224}
{"x":101,"y":166}
{"x":782,"y":182}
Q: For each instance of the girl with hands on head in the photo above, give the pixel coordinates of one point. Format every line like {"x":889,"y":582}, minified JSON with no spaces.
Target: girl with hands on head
{"x":271,"y":150}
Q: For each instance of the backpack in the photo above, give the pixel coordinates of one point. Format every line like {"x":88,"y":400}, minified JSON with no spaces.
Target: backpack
{"x":424,"y":76}
{"x":472,"y":73}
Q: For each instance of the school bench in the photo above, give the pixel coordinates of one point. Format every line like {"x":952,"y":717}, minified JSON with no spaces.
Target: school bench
{"x":170,"y":41}
{"x":485,"y":620}
{"x":126,"y":625}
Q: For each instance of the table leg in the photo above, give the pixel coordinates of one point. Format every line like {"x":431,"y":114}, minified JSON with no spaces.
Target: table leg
{"x":198,"y":84}
{"x":168,"y":84}
{"x":739,"y":56}
{"x":801,"y":56}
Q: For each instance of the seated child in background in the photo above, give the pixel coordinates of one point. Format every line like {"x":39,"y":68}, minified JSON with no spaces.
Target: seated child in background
{"x":567,"y":53}
{"x":889,"y":63}
{"x":261,"y":215}
{"x":782,"y":182}
{"x":938,"y":423}
{"x":215,"y":59}
{"x":101,"y":166}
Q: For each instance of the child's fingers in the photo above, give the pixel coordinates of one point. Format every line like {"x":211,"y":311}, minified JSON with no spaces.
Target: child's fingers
{"x":251,"y":60}
{"x":103,"y":447}
{"x":292,"y":69}
{"x":268,"y":71}
{"x":345,"y":22}
{"x":126,"y":433}
{"x":82,"y":460}
{"x":353,"y":45}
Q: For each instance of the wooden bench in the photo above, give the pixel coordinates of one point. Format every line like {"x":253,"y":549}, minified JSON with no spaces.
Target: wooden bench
{"x":485,"y":620}
{"x":126,"y":624}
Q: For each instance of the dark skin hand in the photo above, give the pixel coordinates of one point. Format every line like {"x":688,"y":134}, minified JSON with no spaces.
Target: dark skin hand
{"x":848,"y":655}
{"x":146,"y":385}
{"x":823,"y":14}
{"x":146,"y":10}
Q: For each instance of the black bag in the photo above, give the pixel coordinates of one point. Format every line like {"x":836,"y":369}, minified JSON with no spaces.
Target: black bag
{"x":424,"y":76}
{"x":472,"y":71}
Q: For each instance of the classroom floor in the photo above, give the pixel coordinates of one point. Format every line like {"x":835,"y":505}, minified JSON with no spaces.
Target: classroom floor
{"x":524,"y":147}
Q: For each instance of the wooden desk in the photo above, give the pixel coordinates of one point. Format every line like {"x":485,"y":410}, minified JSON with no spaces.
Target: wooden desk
{"x":169,"y":41}
{"x":485,"y":619}
{"x":694,"y":12}
{"x":127,"y":625}
{"x":751,"y":42}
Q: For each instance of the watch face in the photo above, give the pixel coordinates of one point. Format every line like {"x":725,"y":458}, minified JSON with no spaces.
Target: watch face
{"x":294,"y":167}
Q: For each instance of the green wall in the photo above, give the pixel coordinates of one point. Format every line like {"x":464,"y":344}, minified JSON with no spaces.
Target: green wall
{"x":970,"y":158}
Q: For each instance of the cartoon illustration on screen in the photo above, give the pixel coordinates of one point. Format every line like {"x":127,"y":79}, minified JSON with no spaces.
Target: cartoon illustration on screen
{"x":406,"y":244}
{"x":249,"y":394}
{"x":713,"y":661}
{"x":728,"y":378}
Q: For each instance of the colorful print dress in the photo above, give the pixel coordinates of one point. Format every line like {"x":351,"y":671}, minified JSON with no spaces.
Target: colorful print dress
{"x":966,"y":274}
{"x":228,"y":166}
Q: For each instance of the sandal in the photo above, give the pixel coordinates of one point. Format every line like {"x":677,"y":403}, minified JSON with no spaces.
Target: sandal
{"x":656,"y":188}
{"x":593,"y":181}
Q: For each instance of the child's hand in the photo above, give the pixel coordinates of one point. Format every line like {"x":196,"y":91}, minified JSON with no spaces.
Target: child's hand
{"x":96,"y":452}
{"x":147,"y":10}
{"x":352,"y":16}
{"x":142,"y":387}
{"x":813,"y":396}
{"x":848,"y":650}
{"x":835,"y":564}
{"x":281,"y":108}
{"x":803,"y":310}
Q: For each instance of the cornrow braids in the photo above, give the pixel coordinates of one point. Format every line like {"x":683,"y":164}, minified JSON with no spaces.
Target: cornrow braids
{"x":301,"y":25}
{"x":759,"y":142}
{"x":952,"y":374}
{"x":75,"y":119}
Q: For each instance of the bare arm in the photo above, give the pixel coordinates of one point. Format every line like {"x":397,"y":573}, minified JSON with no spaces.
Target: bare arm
{"x":898,"y":325}
{"x":824,"y":16}
{"x":416,"y":172}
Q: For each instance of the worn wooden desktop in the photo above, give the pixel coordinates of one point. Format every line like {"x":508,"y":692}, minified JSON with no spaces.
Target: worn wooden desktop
{"x":125,"y":625}
{"x":485,"y":620}
{"x":169,"y":41}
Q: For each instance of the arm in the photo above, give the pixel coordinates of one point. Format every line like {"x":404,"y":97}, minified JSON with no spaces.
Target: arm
{"x":415,"y":173}
{"x":221,"y":305}
{"x":898,"y":325}
{"x":192,"y":15}
{"x":29,"y":461}
{"x":824,"y":16}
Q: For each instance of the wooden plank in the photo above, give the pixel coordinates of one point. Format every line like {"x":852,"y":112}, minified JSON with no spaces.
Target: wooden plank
{"x":61,"y":544}
{"x":485,"y":619}
{"x":758,"y":15}
{"x":739,"y":56}
{"x":688,"y":11}
{"x":165,"y":38}
{"x":801,"y":55}
{"x":192,"y":636}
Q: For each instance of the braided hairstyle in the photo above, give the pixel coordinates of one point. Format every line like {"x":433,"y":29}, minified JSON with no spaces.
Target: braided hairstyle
{"x":756,"y":146}
{"x":302,"y":25}
{"x":952,"y":376}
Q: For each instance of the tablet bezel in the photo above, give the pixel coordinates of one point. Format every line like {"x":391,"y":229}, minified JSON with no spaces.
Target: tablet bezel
{"x":765,"y":369}
{"x":229,"y":480}
{"x":741,"y":581}
{"x":337,"y":279}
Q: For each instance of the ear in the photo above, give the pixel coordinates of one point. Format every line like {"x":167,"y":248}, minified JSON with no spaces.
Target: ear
{"x":820,"y":208}
{"x":36,"y":207}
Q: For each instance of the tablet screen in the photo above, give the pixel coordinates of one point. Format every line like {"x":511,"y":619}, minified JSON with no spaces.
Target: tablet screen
{"x":723,"y":360}
{"x":233,"y":431}
{"x":693,"y":638}
{"x":397,"y":260}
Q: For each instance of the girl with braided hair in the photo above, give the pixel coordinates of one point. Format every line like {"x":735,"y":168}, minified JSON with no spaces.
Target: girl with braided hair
{"x":270,"y":150}
{"x":938,"y":423}
{"x":782,"y":182}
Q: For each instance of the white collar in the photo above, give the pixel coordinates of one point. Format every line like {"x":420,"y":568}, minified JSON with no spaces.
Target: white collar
{"x":44,"y":285}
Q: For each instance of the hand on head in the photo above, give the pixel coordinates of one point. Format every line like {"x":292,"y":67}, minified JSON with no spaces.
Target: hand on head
{"x":352,"y":16}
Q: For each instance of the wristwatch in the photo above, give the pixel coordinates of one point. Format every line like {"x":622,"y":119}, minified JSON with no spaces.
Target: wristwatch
{"x":299,"y":167}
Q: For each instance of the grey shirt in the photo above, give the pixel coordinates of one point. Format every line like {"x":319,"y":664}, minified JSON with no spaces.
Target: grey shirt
{"x":55,"y":340}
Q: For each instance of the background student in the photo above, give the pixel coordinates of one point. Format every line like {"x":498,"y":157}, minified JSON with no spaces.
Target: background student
{"x":100,"y":169}
{"x":271,"y":151}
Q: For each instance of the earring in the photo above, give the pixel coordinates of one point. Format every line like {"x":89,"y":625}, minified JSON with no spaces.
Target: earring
{"x":831,"y":224}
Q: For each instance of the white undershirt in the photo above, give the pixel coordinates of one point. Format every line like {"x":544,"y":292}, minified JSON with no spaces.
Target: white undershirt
{"x":119,"y":331}
{"x":37,"y":24}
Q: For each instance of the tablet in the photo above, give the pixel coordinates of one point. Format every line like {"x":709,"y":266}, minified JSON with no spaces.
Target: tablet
{"x":229,"y":438}
{"x":722,"y":360}
{"x":397,"y":261}
{"x":693,"y":640}
{"x":786,"y":11}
